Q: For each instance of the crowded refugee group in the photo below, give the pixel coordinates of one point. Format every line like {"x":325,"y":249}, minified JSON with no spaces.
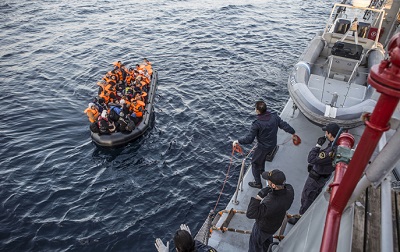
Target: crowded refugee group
{"x":121,"y":101}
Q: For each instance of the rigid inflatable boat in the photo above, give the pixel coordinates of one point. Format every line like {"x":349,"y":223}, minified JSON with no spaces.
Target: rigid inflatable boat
{"x":329,"y":82}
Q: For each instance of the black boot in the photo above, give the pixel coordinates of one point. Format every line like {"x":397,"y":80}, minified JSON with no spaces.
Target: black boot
{"x":255,"y":185}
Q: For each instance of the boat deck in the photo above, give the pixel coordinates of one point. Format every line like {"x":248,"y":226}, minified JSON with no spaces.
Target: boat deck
{"x":292,"y":160}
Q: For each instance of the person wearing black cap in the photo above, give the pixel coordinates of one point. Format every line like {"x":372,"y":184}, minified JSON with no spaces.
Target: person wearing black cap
{"x":184,"y":241}
{"x":269,"y":208}
{"x":320,"y":168}
{"x":265,"y":129}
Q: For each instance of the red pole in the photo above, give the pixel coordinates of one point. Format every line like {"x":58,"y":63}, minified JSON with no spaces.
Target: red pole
{"x":385,"y":78}
{"x":345,"y":140}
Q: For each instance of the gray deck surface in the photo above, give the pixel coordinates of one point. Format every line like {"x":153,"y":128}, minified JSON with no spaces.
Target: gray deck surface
{"x":292,"y":160}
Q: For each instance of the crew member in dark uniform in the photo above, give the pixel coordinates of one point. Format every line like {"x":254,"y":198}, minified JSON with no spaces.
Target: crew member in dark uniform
{"x":320,"y":168}
{"x":265,"y":128}
{"x":184,"y":241}
{"x":269,"y":209}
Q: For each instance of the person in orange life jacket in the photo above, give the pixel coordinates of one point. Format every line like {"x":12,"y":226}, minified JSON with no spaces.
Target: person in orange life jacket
{"x":184,"y":242}
{"x":131,"y":76}
{"x":140,"y":96}
{"x":137,"y":87}
{"x":105,"y":126}
{"x":96,"y":102}
{"x":124,"y":72}
{"x":321,"y":168}
{"x":115,"y":75}
{"x":120,"y":88}
{"x":110,"y":76}
{"x":102,"y":84}
{"x":144,"y":85}
{"x":92,"y":112}
{"x":105,"y":96}
{"x":265,"y":129}
{"x":111,"y":89}
{"x":268,"y":209}
{"x":117,"y":64}
{"x":148,"y":67}
{"x":139,"y":68}
{"x":137,"y":108}
{"x":120,"y":77}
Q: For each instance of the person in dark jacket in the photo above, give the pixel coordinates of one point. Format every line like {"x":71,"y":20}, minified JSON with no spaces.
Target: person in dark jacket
{"x":265,"y":129}
{"x":269,"y":209}
{"x":105,"y":125}
{"x":320,"y":168}
{"x":184,"y":242}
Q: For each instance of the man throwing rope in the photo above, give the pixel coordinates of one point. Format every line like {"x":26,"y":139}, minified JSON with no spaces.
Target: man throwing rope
{"x":265,"y":129}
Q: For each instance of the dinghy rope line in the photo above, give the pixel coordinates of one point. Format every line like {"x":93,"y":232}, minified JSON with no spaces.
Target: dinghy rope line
{"x":212,"y":219}
{"x":239,"y":150}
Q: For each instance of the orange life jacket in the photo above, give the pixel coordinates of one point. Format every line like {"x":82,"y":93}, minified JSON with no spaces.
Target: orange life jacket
{"x":119,"y":75}
{"x":149,"y":68}
{"x":109,"y":77}
{"x":110,"y":88}
{"x":117,"y":64}
{"x":92,"y":114}
{"x":105,"y":97}
{"x":129,"y":78}
{"x":146,"y":80}
{"x":139,"y":68}
{"x":138,"y":108}
{"x":141,"y":96}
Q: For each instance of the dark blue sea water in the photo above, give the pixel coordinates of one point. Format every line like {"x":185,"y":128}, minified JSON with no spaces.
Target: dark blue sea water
{"x":58,"y":191}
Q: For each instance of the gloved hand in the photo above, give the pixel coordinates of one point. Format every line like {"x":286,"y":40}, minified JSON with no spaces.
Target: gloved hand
{"x":235,"y":143}
{"x":321,"y":141}
{"x":185,"y":227}
{"x":296,"y":139}
{"x":160,"y":246}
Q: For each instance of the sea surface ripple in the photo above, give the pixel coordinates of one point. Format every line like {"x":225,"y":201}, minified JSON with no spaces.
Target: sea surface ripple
{"x":58,"y":191}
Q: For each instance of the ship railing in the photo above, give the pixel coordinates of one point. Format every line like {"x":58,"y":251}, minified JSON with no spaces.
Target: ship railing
{"x":241,"y":177}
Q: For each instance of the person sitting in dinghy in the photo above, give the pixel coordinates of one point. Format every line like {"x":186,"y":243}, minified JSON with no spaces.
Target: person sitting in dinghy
{"x":92,"y":112}
{"x":137,"y":109}
{"x":124,"y":124}
{"x":105,"y":125}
